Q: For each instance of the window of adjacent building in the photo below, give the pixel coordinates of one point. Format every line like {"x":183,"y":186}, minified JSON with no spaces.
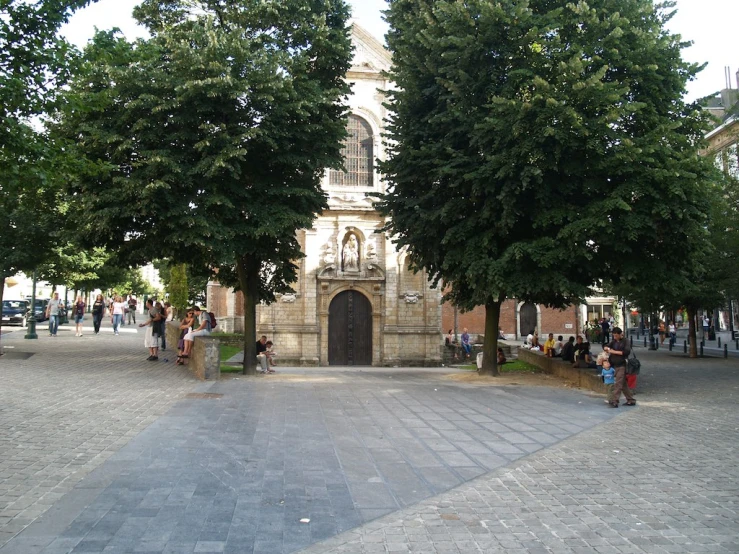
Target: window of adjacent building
{"x":358,"y":152}
{"x":596,"y":312}
{"x":728,"y":161}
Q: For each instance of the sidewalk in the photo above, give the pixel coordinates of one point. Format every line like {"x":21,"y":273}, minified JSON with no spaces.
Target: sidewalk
{"x":101,"y":451}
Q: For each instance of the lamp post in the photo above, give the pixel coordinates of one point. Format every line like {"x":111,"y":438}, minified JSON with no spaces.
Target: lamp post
{"x":31,"y":331}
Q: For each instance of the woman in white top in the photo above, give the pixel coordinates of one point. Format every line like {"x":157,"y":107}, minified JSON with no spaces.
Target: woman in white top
{"x":117,"y":312}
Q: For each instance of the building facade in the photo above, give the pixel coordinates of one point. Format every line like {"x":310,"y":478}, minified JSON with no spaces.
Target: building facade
{"x":355,"y":301}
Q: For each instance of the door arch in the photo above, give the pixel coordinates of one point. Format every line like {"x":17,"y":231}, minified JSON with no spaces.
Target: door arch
{"x":350,"y":329}
{"x":528,"y":320}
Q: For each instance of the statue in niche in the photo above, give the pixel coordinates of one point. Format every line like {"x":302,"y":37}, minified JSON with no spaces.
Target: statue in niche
{"x":350,"y":255}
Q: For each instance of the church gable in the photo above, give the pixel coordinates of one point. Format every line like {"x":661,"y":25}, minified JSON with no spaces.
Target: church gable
{"x":369,"y":53}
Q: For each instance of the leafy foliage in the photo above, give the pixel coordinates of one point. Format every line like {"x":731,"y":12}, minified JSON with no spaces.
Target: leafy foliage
{"x":206,"y":144}
{"x":538,"y":147}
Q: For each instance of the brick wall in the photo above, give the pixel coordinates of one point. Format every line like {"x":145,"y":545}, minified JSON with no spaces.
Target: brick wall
{"x":552,"y":321}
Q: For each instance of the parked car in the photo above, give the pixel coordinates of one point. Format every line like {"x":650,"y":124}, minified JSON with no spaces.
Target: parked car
{"x":40,"y":309}
{"x":14,"y":312}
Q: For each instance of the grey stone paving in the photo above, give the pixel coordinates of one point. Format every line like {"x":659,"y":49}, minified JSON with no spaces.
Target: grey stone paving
{"x":237,"y":473}
{"x":67,"y":408}
{"x":377,"y":460}
{"x":663,"y":477}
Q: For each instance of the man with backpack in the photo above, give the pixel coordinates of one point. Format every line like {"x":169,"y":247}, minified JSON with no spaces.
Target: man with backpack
{"x":203,"y":330}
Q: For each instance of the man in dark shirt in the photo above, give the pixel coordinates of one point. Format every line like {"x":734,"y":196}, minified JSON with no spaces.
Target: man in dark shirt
{"x":618,"y":352}
{"x":568,"y":350}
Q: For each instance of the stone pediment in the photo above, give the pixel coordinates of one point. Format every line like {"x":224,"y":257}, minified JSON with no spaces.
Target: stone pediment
{"x":370,"y":55}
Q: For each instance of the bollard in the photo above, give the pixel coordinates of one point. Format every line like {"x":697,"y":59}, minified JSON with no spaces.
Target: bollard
{"x":737,"y":344}
{"x":645,"y":341}
{"x":631,"y":342}
{"x":719,"y":342}
{"x":726,"y":351}
{"x":670,"y":347}
{"x":685,"y":347}
{"x":703,"y":343}
{"x":701,"y":349}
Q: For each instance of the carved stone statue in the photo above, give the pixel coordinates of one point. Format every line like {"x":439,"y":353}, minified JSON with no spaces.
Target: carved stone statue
{"x":371,"y":253}
{"x":350,"y":255}
{"x":329,"y":258}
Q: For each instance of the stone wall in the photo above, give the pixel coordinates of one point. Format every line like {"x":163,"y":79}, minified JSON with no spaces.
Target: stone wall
{"x":583,"y":378}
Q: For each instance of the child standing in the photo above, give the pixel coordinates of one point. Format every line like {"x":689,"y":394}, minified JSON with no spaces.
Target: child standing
{"x":609,"y":378}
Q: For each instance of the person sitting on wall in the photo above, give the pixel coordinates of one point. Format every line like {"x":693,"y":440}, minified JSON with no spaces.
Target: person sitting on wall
{"x":549,"y":346}
{"x":568,"y":350}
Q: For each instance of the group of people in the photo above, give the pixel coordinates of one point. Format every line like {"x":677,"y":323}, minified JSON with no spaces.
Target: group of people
{"x":265,"y":355}
{"x":196,"y":323}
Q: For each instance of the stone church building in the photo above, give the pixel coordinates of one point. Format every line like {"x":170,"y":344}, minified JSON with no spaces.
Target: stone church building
{"x":355,"y":301}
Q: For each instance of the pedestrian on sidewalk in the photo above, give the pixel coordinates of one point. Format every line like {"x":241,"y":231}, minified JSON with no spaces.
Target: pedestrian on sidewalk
{"x":166,"y":318}
{"x":116,"y":313}
{"x":52,"y":314}
{"x":98,"y":311}
{"x":151,"y":340}
{"x":618,"y":352}
{"x":79,"y":315}
{"x":131,"y":309}
{"x":609,"y":377}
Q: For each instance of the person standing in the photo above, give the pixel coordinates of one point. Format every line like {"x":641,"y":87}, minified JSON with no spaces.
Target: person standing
{"x":131,"y":313}
{"x":98,"y":311}
{"x":618,"y":352}
{"x":166,"y":318}
{"x":151,"y":340}
{"x":609,"y":377}
{"x":117,"y":313}
{"x":706,"y":326}
{"x":79,"y":315}
{"x":605,"y":328}
{"x":52,"y":314}
{"x":673,"y":333}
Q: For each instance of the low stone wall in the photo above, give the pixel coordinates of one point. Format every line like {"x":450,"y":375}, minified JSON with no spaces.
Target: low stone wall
{"x":583,"y":378}
{"x":205,"y":358}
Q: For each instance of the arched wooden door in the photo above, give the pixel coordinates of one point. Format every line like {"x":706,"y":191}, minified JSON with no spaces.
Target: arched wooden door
{"x":527,"y":316}
{"x":350,"y":329}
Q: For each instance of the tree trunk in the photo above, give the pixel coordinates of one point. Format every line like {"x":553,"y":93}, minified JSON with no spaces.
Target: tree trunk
{"x":2,"y":290}
{"x":248,"y":270}
{"x":693,"y":346}
{"x":490,"y":347}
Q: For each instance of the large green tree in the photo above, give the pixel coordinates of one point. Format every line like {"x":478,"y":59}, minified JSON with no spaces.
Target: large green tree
{"x":207,"y":143}
{"x":34,"y":63}
{"x":538,"y":146}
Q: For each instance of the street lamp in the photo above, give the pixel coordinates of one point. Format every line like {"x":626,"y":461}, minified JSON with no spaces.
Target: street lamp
{"x":31,"y":331}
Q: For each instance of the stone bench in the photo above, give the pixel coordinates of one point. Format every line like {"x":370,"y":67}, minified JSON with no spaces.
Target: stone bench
{"x":205,"y":357}
{"x":583,"y":378}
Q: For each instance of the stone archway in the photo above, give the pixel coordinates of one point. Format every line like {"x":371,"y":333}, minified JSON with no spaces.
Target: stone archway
{"x":350,"y":329}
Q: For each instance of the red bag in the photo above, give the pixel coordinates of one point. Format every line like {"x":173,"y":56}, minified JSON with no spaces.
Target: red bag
{"x":631,"y":381}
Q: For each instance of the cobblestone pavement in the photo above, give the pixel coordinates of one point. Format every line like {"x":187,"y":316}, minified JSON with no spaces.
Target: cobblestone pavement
{"x":67,"y":408}
{"x":663,"y":477}
{"x":377,"y":460}
{"x":237,"y":468}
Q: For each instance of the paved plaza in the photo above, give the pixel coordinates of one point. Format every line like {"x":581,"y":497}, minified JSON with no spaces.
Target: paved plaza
{"x":103,"y":451}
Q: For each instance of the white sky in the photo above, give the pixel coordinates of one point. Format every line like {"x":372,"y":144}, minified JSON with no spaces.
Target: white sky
{"x":710,"y":24}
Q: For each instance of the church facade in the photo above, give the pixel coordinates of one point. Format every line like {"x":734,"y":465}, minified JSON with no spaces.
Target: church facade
{"x":355,"y":301}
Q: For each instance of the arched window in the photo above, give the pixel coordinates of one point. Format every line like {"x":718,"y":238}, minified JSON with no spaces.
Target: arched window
{"x":358,"y":152}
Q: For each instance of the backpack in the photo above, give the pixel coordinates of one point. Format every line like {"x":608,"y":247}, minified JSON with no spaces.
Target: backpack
{"x":213,"y":322}
{"x":633,"y":365}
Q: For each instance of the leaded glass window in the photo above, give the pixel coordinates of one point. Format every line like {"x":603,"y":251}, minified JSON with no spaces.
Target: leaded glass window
{"x":358,"y":152}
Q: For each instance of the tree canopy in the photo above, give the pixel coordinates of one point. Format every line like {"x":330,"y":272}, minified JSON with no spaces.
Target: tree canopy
{"x":206,"y":144}
{"x":538,"y":147}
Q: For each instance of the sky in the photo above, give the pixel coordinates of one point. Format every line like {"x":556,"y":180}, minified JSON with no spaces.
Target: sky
{"x":709,"y":24}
